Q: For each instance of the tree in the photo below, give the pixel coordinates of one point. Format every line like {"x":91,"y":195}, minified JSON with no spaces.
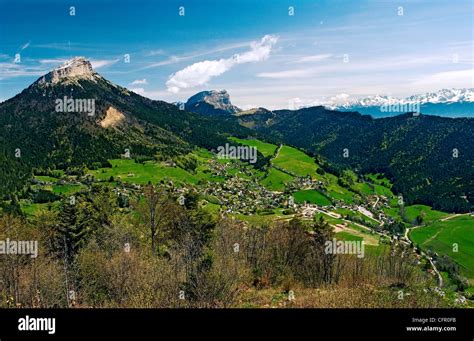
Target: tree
{"x":155,"y":213}
{"x":323,"y":232}
{"x":72,"y":230}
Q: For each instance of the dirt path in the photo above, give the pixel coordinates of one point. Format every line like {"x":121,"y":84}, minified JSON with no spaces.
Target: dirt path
{"x":453,"y":216}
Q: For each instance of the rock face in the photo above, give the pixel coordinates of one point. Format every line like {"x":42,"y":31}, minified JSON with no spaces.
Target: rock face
{"x":77,"y":67}
{"x":255,"y":118}
{"x":113,"y":118}
{"x":211,"y":102}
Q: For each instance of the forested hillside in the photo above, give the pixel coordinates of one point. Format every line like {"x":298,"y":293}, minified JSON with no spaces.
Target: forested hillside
{"x":428,"y":158}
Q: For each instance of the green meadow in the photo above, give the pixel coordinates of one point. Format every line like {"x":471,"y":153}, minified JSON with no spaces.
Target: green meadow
{"x":128,"y":170}
{"x":276,"y":180}
{"x":428,"y":214}
{"x":267,"y":149}
{"x":311,"y":196}
{"x":295,"y":161}
{"x":441,"y":236}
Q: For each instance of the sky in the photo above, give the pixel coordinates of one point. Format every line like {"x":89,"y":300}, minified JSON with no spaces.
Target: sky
{"x":267,"y":53}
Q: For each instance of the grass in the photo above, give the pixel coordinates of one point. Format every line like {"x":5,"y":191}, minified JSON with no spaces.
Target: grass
{"x":311,"y":196}
{"x":210,"y":207}
{"x":276,"y":180}
{"x":379,"y":179}
{"x":382,"y":190}
{"x":429,"y":215}
{"x":30,"y":208}
{"x":295,"y":161}
{"x":362,"y":188}
{"x":343,"y":235}
{"x":442,"y":235}
{"x":45,"y":178}
{"x":67,"y":189}
{"x":267,"y":149}
{"x":337,"y":192}
{"x":132,"y":172}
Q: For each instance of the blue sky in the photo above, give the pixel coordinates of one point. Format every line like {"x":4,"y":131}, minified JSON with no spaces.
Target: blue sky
{"x":256,"y":50}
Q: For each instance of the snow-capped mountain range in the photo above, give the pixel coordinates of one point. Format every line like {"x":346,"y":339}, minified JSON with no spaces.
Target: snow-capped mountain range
{"x":442,"y":96}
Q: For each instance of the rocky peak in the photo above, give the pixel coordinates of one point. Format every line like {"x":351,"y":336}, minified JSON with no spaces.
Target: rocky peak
{"x":76,"y":68}
{"x":218,"y":99}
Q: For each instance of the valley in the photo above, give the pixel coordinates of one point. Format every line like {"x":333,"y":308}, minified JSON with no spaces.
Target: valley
{"x":291,"y":185}
{"x":143,"y":202}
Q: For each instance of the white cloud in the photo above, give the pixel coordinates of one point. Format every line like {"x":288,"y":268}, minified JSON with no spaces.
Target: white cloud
{"x":52,"y":61}
{"x":203,"y":52}
{"x":103,"y":62}
{"x":25,"y":46}
{"x":11,"y":70}
{"x":140,"y":91}
{"x":200,"y":73}
{"x":154,"y":94}
{"x":288,"y":74}
{"x":139,"y":81}
{"x":447,"y":79}
{"x":159,"y":52}
{"x":312,"y":59}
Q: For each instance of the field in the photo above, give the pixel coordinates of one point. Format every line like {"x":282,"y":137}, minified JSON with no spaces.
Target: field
{"x":379,"y":179}
{"x":276,"y":180}
{"x":295,"y":162}
{"x":30,"y":209}
{"x":129,"y":171}
{"x":67,"y":189}
{"x":311,"y":196}
{"x":441,"y":235}
{"x":337,"y":192}
{"x":428,"y":214}
{"x":266,"y":149}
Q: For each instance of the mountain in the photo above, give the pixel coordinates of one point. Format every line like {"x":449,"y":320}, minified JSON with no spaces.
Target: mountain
{"x":211,"y":103}
{"x":73,"y":117}
{"x":441,"y":96}
{"x":445,"y":102}
{"x":255,"y":118}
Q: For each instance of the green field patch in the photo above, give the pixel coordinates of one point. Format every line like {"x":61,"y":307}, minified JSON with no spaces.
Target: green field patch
{"x":379,"y":179}
{"x":440,"y":237}
{"x":343,"y":235}
{"x":382,"y":190}
{"x":67,"y":189}
{"x":336,"y":191}
{"x":311,"y":196}
{"x":30,"y":209}
{"x":267,"y":149}
{"x":210,"y":207}
{"x":296,"y":162}
{"x":393,"y":212}
{"x":45,"y":178}
{"x":363,"y":188}
{"x":141,"y":173}
{"x":276,"y":180}
{"x":428,"y":214}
